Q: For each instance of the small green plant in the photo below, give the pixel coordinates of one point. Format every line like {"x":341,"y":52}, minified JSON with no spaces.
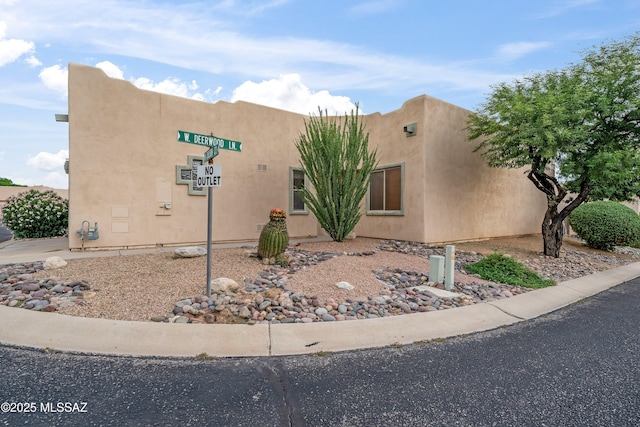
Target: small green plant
{"x":204,"y":356}
{"x":35,"y":214}
{"x":274,"y":237}
{"x":282,"y":260}
{"x":604,"y":225}
{"x":49,"y":350}
{"x":500,"y":268}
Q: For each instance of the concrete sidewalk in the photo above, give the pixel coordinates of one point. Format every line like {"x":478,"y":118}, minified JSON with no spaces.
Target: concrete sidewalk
{"x":29,"y":250}
{"x":86,"y":335}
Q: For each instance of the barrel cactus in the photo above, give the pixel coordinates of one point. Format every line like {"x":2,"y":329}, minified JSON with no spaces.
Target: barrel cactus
{"x":274,"y":237}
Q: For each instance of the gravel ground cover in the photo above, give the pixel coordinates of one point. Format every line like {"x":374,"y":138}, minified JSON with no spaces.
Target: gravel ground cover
{"x":383,"y":275}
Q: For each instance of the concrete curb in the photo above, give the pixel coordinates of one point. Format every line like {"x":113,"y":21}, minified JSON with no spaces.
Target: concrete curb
{"x":117,"y":337}
{"x":112,"y":337}
{"x":288,"y":339}
{"x":542,"y":301}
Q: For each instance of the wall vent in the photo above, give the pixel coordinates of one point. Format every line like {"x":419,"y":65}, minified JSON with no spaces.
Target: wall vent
{"x":262,"y":168}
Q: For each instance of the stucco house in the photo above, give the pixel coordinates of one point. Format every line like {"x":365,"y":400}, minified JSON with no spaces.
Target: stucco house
{"x":130,"y":173}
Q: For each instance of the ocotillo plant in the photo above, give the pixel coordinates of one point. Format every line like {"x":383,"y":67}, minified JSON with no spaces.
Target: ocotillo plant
{"x":335,"y":157}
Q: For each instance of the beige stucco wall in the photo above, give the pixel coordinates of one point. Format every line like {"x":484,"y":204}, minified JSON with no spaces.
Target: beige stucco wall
{"x":123,"y":156}
{"x":449,"y":192}
{"x":387,"y":136}
{"x":465,"y":199}
{"x":124,"y":152}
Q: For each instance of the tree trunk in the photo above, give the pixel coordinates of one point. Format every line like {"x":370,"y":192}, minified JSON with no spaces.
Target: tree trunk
{"x":552,"y":230}
{"x":552,"y":233}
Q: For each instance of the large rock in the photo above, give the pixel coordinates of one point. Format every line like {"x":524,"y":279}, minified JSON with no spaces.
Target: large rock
{"x":224,"y":284}
{"x":190,"y":252}
{"x":344,"y":285}
{"x":53,"y":262}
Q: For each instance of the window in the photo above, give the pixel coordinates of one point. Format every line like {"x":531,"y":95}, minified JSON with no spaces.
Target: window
{"x":385,"y":191}
{"x":297,"y":181}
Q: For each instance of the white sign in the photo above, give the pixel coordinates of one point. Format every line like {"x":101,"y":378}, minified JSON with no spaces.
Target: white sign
{"x":209,"y":176}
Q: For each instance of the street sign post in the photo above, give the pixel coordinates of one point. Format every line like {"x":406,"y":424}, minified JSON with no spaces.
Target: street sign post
{"x":211,"y":153}
{"x":209,"y":176}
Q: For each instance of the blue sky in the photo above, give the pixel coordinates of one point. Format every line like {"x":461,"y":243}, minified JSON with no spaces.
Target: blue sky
{"x":290,"y":54}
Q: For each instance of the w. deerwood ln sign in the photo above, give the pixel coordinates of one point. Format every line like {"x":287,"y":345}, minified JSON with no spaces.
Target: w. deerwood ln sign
{"x":209,"y":141}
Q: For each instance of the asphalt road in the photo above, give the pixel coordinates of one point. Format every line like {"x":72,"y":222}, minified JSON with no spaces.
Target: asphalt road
{"x":578,"y":366}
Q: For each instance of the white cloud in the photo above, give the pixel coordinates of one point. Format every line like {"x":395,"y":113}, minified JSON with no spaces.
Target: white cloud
{"x":513,"y":51}
{"x":288,"y":93}
{"x":33,"y":61}
{"x":55,"y":78}
{"x":56,"y":180}
{"x":52,"y":179}
{"x":111,"y":69}
{"x":170,"y":86}
{"x":214,"y":44}
{"x":44,"y":161}
{"x":12,"y":49}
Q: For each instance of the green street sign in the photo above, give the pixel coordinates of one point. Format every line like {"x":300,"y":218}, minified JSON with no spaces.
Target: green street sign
{"x":209,"y":141}
{"x":211,"y":153}
{"x":195,"y":138}
{"x":227,"y":144}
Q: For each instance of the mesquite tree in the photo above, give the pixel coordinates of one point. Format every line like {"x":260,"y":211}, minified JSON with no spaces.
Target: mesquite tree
{"x":582,"y":122}
{"x":335,"y":157}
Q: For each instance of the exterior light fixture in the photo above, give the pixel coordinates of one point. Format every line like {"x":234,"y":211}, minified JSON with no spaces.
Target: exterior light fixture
{"x":410,"y":129}
{"x":62,"y":117}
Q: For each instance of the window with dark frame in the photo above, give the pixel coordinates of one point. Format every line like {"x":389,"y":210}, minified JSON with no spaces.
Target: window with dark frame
{"x":298,"y":182}
{"x":385,"y":189}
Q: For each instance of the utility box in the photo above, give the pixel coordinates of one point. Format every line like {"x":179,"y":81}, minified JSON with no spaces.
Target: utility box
{"x":449,"y":265}
{"x":89,"y":233}
{"x":436,"y":268}
{"x":92,"y":233}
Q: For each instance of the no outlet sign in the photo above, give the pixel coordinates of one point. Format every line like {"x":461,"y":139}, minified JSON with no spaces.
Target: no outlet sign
{"x":209,"y":176}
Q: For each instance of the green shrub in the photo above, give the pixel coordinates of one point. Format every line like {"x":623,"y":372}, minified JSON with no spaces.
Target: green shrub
{"x":500,"y":268}
{"x":604,"y":225}
{"x":35,"y":214}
